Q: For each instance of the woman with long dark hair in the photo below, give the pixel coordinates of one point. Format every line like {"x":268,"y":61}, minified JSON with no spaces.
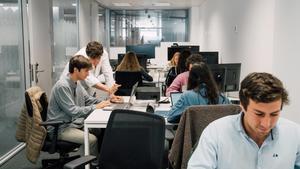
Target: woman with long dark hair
{"x":201,"y":90}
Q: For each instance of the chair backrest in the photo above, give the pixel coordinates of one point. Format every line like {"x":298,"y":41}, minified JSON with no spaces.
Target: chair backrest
{"x":127,"y":80}
{"x":28,"y":129}
{"x":43,"y":101}
{"x":133,"y":140}
{"x":192,"y":122}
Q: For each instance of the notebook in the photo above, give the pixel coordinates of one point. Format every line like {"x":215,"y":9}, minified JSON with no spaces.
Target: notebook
{"x":124,"y":105}
{"x":175,"y":97}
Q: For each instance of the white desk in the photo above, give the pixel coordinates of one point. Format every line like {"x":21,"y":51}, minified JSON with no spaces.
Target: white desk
{"x":99,"y":118}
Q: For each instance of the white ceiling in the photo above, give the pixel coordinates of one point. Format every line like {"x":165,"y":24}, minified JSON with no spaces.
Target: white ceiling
{"x":148,"y":4}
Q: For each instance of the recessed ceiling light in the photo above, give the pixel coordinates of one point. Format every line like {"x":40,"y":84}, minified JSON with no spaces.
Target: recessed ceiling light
{"x":121,"y":4}
{"x":74,"y":4}
{"x":161,"y":4}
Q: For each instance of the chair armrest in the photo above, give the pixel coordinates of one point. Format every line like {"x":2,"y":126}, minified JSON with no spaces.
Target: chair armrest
{"x":53,"y":139}
{"x":52,"y":123}
{"x":79,"y":162}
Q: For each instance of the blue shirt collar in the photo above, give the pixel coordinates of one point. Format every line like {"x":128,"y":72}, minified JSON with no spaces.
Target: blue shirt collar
{"x":240,"y":128}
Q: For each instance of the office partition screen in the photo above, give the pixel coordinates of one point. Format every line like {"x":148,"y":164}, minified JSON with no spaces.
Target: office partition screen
{"x":227,"y":76}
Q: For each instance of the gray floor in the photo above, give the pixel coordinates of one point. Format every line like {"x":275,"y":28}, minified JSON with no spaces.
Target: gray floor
{"x":20,"y":161}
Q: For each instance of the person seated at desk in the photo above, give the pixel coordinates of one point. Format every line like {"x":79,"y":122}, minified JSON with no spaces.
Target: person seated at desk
{"x":172,"y":72}
{"x":69,"y":101}
{"x":130,"y":63}
{"x":201,"y":90}
{"x":180,"y":82}
{"x":257,"y":137}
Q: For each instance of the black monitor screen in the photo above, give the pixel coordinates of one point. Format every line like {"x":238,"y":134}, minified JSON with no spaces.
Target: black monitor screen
{"x":174,"y":49}
{"x":210,"y":57}
{"x":148,"y":50}
{"x":227,"y":76}
{"x":142,"y":60}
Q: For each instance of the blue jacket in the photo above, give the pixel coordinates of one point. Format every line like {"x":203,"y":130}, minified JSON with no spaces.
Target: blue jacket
{"x":189,"y":98}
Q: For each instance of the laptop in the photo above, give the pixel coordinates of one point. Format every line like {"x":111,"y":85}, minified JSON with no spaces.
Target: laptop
{"x":123,"y":105}
{"x":175,"y":96}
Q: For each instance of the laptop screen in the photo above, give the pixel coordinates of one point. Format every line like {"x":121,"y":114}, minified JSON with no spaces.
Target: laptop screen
{"x":175,"y":97}
{"x":133,"y":90}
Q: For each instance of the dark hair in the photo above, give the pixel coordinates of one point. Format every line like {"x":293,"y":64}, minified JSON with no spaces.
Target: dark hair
{"x":79,"y":62}
{"x":262,"y":87}
{"x":200,"y":76}
{"x":194,"y":59}
{"x":181,"y":66}
{"x":94,"y":50}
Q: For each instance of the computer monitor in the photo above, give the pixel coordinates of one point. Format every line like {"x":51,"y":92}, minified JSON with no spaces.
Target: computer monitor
{"x":227,"y":76}
{"x":174,"y":49}
{"x":148,"y":50}
{"x":141,"y":58}
{"x":210,"y":57}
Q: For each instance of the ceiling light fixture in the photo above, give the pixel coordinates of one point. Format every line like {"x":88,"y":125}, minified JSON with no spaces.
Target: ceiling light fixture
{"x":161,"y":4}
{"x":121,"y":4}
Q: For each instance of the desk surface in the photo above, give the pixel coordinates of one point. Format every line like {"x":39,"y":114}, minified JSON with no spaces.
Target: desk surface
{"x":100,"y":117}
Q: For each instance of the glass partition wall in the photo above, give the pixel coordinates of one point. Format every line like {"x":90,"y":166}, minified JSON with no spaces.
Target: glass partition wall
{"x":65,"y":34}
{"x":12,"y":81}
{"x":132,"y":27}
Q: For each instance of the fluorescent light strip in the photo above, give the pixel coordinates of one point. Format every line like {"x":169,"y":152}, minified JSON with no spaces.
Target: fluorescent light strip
{"x":121,"y":4}
{"x":161,"y":4}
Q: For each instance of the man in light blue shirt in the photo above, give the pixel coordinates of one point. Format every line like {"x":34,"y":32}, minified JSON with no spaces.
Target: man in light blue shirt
{"x":257,"y":138}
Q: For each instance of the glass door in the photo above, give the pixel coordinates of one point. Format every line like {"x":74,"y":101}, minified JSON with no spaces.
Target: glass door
{"x":12,"y":80}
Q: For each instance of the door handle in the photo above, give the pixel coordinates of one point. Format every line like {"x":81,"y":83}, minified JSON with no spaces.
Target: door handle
{"x":36,"y":72}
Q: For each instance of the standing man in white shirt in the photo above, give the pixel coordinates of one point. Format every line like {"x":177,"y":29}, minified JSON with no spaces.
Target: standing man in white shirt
{"x":101,"y":67}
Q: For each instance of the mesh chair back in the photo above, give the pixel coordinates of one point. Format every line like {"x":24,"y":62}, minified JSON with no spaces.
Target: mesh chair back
{"x":133,"y":140}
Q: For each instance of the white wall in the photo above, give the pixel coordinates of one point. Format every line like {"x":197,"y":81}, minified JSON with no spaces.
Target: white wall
{"x":85,"y":29}
{"x":40,"y":30}
{"x":194,"y":24}
{"x":262,"y":35}
{"x":286,"y":52}
{"x":242,"y":31}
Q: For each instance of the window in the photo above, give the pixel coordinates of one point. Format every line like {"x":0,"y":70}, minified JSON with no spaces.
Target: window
{"x":132,"y":27}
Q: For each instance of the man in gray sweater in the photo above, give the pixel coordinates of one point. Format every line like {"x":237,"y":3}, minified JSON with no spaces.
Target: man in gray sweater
{"x":70,"y":102}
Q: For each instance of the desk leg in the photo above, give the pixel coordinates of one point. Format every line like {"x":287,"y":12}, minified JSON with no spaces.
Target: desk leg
{"x":86,"y":144}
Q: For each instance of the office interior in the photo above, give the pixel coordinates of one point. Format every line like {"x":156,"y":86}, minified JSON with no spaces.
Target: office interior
{"x":37,"y":37}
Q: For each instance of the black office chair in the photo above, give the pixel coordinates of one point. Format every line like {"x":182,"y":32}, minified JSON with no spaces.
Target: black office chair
{"x":127,"y":80}
{"x":132,"y":140}
{"x":52,"y":145}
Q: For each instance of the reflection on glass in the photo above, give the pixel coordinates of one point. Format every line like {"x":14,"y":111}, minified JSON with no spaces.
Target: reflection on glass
{"x":99,"y":24}
{"x":65,"y":34}
{"x":132,"y":27}
{"x":11,"y":83}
